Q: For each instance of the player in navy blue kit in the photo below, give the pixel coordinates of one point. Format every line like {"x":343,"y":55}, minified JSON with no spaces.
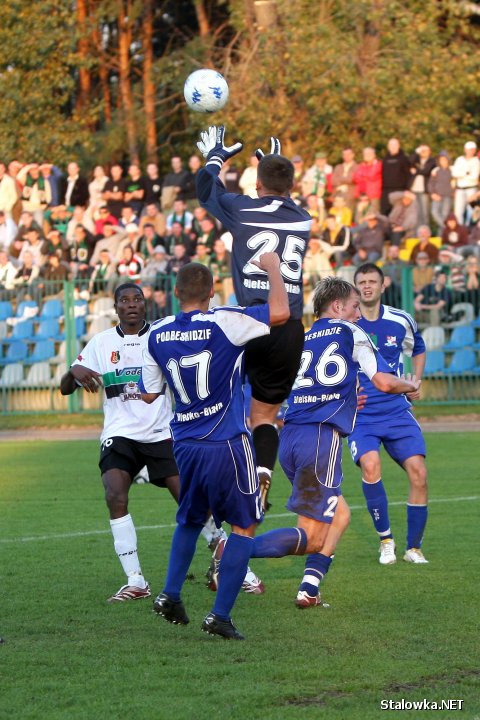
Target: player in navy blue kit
{"x":321,"y":411}
{"x":388,"y":420}
{"x":200,"y":353}
{"x":270,"y":223}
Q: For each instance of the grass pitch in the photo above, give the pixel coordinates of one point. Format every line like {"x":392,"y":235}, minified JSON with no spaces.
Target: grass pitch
{"x":392,"y":632}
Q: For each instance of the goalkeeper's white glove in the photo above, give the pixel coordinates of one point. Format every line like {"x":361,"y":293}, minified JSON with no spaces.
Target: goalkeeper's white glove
{"x":212,"y":147}
{"x":275,"y":148}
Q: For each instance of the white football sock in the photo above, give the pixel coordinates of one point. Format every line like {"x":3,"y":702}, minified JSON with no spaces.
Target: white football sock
{"x":125,"y":543}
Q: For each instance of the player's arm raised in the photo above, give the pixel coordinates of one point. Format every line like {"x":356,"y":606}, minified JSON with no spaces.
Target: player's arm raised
{"x":277,"y":296}
{"x":377,"y":370}
{"x":152,"y":382}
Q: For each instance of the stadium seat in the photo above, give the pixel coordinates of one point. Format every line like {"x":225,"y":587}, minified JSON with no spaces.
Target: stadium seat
{"x":434,"y":337}
{"x":463,"y":361}
{"x":12,"y":375}
{"x":98,"y":324}
{"x":435,"y":362}
{"x":3,"y":330}
{"x":80,"y":308}
{"x":461,"y":337}
{"x":21,"y":331}
{"x":466,"y":317}
{"x":17,"y":352}
{"x":60,"y":370}
{"x":61,"y":355}
{"x":38,"y":375}
{"x":6,"y":309}
{"x":48,"y":329}
{"x":100,"y":307}
{"x":80,"y":327}
{"x":42,"y":350}
{"x":52,"y":308}
{"x":476,"y":322}
{"x":26,"y":309}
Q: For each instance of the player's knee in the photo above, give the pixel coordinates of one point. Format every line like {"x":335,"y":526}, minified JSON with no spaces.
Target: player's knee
{"x":117,"y":500}
{"x":344,"y":516}
{"x":418,"y":476}
{"x":371,"y":470}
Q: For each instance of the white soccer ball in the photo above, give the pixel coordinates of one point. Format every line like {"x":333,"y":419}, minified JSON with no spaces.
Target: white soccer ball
{"x":206,"y":91}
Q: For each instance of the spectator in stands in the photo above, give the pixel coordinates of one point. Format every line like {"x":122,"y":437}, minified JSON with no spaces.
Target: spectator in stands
{"x":8,"y":273}
{"x":199,"y":214}
{"x":8,"y":192}
{"x":52,"y":276}
{"x":439,"y":185}
{"x":395,"y":174}
{"x":403,"y":216}
{"x":79,"y":217}
{"x":435,"y":299}
{"x":104,"y":276}
{"x":181,"y":215}
{"x":368,"y":180}
{"x":8,"y":230}
{"x":55,"y":244}
{"x":153,"y":185}
{"x":189,"y":194}
{"x":230,"y":176}
{"x":96,"y":189}
{"x":25,"y":278}
{"x":474,"y":241}
{"x":343,"y":183}
{"x":113,"y":237}
{"x":132,"y":236}
{"x":452,"y":264}
{"x":74,"y":190}
{"x":472,"y":282}
{"x":341,"y":211}
{"x":58,"y":217}
{"x":209,"y":232}
{"x":155,"y":267}
{"x":248,"y":178}
{"x":221,"y":268}
{"x":173,"y":184}
{"x":318,"y":178}
{"x":147,"y":242}
{"x":393,"y":266}
{"x":103,"y":217}
{"x":54,"y":177}
{"x":128,"y":217}
{"x":81,"y":252}
{"x":202,"y":254}
{"x":114,"y":191}
{"x":422,"y":273}
{"x":364,"y":207}
{"x":163,"y":302}
{"x":34,"y":245}
{"x":130,"y":266}
{"x":422,"y":164}
{"x":466,"y":172}
{"x":316,"y":264}
{"x":335,"y":240}
{"x":152,"y":215}
{"x":152,"y":310}
{"x":454,"y":234}
{"x":369,"y":241}
{"x":297,"y":190}
{"x":179,"y":259}
{"x":424,"y":245}
{"x":316,"y":210}
{"x":135,"y":190}
{"x":36,"y":193}
{"x":178,"y":237}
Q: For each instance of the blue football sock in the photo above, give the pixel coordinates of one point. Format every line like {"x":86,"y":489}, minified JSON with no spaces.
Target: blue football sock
{"x":316,"y":567}
{"x":184,"y":541}
{"x":416,"y":521}
{"x":281,"y":542}
{"x":377,"y":505}
{"x":231,"y":573}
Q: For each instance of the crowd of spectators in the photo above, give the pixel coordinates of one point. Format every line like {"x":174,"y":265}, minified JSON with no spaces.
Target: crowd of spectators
{"x":144,"y":225}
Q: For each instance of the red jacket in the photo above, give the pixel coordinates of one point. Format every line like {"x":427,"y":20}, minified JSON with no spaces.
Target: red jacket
{"x":368,"y":179}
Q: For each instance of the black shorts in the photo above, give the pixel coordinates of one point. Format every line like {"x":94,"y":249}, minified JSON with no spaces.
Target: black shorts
{"x":272,"y":362}
{"x":119,"y":453}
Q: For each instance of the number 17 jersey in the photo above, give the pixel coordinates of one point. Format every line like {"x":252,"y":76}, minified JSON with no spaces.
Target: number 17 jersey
{"x":259,"y":225}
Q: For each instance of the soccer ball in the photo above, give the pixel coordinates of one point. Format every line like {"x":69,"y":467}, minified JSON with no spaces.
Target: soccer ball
{"x":206,"y":91}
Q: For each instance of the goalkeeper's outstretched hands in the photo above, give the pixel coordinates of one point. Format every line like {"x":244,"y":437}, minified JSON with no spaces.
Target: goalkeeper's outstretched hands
{"x":212,"y":147}
{"x":275,"y":148}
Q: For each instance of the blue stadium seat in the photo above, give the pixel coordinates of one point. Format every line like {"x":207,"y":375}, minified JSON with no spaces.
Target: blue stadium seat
{"x":21,"y":331}
{"x":435,"y":362}
{"x":80,"y":326}
{"x":52,"y":309}
{"x":6,"y":309}
{"x":463,"y":361}
{"x":461,"y":337}
{"x":48,"y":329}
{"x":42,"y":350}
{"x":476,"y":322}
{"x":17,"y":352}
{"x":12,"y":375}
{"x":27,"y":308}
{"x":38,"y":375}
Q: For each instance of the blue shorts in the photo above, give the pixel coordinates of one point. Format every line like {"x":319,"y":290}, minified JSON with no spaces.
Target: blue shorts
{"x":311,"y":457}
{"x":401,"y":436}
{"x":218,"y":476}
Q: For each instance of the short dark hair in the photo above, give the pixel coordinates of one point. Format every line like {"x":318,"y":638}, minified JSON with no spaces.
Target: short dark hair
{"x":194,"y":283}
{"x":276,"y":173}
{"x":126,"y":286}
{"x":328,"y":290}
{"x":368,"y":268}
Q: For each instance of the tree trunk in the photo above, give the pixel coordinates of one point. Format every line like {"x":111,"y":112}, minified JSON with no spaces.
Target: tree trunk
{"x":202,"y":18}
{"x":85,"y":81}
{"x":148,"y":86}
{"x":124,"y":42}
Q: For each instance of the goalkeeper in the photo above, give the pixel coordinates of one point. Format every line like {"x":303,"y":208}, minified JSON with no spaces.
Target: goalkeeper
{"x":270,"y":223}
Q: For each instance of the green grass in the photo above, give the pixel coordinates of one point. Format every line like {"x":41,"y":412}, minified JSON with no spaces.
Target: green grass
{"x":392,"y":632}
